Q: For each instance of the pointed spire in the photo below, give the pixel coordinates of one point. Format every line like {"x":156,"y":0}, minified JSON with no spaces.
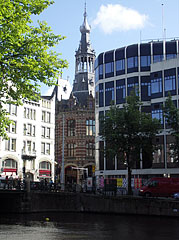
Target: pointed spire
{"x":85,"y":27}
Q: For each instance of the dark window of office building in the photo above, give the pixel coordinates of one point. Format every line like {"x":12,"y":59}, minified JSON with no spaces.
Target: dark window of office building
{"x":156,"y":85}
{"x":109,"y":93}
{"x":157,"y":111}
{"x":120,"y":91}
{"x":132,"y":58}
{"x":145,"y":88}
{"x":171,"y":50}
{"x":101,"y":95}
{"x":96,"y":70}
{"x":109,"y":64}
{"x":132,"y":84}
{"x":120,"y":61}
{"x":101,"y":155}
{"x":157,"y":52}
{"x":100,"y":66}
{"x":101,"y":118}
{"x":170,"y":81}
{"x":145,"y":57}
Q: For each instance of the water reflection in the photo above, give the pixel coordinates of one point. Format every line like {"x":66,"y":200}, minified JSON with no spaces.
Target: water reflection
{"x":87,"y":226}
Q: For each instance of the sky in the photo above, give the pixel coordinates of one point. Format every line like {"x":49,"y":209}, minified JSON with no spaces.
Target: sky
{"x":114,"y":24}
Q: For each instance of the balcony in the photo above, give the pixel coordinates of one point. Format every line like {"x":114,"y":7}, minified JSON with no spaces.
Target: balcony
{"x":28,"y":155}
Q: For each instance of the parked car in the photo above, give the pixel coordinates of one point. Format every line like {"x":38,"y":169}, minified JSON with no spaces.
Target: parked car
{"x":160,"y":187}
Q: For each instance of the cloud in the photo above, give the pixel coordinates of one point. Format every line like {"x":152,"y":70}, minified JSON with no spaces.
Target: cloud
{"x":112,"y":18}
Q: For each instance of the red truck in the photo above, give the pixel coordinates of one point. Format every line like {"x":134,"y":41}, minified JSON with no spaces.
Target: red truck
{"x":160,"y":187}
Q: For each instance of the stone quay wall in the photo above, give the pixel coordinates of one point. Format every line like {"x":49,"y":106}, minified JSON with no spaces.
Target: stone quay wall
{"x":33,"y":202}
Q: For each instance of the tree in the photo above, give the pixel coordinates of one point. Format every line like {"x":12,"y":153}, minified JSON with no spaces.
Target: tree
{"x":171,"y":114}
{"x":127,"y":130}
{"x":26,"y":58}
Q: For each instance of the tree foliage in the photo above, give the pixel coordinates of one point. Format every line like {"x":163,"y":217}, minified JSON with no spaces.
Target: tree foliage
{"x":127,"y":130}
{"x":171,"y":114}
{"x":26,"y":58}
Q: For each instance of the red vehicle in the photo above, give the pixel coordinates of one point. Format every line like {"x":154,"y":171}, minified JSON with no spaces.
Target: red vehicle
{"x":160,"y":187}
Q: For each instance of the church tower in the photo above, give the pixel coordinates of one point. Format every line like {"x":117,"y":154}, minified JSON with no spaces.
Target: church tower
{"x":75,"y":118}
{"x":83,"y":84}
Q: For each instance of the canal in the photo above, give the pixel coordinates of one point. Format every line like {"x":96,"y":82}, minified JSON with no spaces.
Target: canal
{"x":68,"y":226}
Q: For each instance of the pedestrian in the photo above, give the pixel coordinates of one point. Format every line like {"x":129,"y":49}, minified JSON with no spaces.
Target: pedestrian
{"x":6,"y":185}
{"x":11,"y":182}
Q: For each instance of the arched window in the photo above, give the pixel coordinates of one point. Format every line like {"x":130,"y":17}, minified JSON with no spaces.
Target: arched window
{"x":45,"y":166}
{"x":9,"y":163}
{"x":44,"y":170}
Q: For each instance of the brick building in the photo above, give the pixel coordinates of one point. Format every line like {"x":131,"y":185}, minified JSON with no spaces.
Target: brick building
{"x":75,"y":117}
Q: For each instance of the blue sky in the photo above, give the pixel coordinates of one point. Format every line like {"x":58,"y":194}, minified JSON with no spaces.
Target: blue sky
{"x":115,"y":23}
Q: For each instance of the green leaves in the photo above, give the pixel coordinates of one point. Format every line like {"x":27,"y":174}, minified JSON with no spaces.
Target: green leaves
{"x":171,"y":114}
{"x":26,"y":56}
{"x":127,"y":130}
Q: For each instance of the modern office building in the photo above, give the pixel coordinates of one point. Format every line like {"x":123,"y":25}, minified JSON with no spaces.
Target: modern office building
{"x":153,"y":68}
{"x":29,"y":151}
{"x":75,"y":117}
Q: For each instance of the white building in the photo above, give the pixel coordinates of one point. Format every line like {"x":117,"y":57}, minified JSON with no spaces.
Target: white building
{"x":30,"y":147}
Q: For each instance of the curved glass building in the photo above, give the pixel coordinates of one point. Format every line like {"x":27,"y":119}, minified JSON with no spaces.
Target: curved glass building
{"x":154,"y":69}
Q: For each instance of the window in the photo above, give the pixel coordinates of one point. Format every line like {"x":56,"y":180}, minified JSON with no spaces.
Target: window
{"x":13,"y":109}
{"x":171,"y":56}
{"x":120,"y":65}
{"x":47,"y":148}
{"x":158,"y":114}
{"x":90,"y":127}
{"x":43,"y":148}
{"x":156,"y":85}
{"x":101,"y":95}
{"x":48,"y":117}
{"x":29,"y":129}
{"x":29,"y":146}
{"x":109,"y":93}
{"x":45,"y":166}
{"x":170,"y":83}
{"x":132,"y":84}
{"x":109,"y":67}
{"x":9,"y":163}
{"x":48,"y":132}
{"x":71,"y":128}
{"x":7,"y":145}
{"x":10,"y":144}
{"x":157,"y":58}
{"x":13,"y":127}
{"x":96,"y":74}
{"x":120,"y":91}
{"x":132,"y":62}
{"x":29,"y":113}
{"x":145,"y":61}
{"x":33,"y":133}
{"x":43,"y":116}
{"x":71,"y":149}
{"x":90,"y":149}
{"x":43,"y":132}
{"x":101,"y":69}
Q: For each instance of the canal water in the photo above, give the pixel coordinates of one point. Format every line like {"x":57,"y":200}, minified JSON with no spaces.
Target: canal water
{"x":68,"y":226}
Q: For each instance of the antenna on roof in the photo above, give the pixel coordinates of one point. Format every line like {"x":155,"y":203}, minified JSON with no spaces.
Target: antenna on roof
{"x":163,"y":21}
